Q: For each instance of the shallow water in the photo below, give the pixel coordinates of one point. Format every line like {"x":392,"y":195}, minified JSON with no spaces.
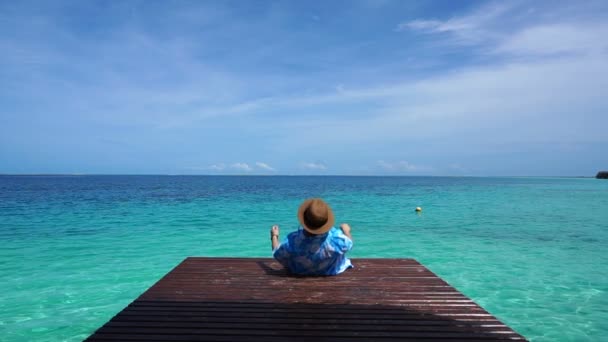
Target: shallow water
{"x":76,"y":250}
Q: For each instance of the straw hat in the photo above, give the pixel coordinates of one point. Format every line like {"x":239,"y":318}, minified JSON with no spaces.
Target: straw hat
{"x":316,"y":216}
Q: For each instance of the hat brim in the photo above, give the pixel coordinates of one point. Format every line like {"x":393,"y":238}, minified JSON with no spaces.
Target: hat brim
{"x":324,"y":228}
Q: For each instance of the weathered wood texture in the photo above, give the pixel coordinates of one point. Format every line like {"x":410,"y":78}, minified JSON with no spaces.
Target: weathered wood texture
{"x":247,"y":299}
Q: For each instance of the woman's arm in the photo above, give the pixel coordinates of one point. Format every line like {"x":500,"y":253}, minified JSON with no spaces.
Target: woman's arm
{"x":346,"y":230}
{"x":274,"y":237}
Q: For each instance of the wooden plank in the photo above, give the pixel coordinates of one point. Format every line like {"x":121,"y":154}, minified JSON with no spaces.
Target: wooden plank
{"x":236,"y":299}
{"x":244,"y":338}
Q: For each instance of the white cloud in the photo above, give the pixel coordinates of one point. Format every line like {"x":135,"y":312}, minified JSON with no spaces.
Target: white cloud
{"x":403,"y":166}
{"x":466,"y":29}
{"x":419,"y":24}
{"x":514,"y":102}
{"x":238,"y":166}
{"x":241,"y":167}
{"x":217,"y":167}
{"x":512,"y":29}
{"x":556,"y":39}
{"x":264,"y":166}
{"x":558,"y":95}
{"x":313,"y":166}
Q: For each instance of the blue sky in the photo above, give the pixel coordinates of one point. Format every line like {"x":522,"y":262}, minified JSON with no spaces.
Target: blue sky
{"x":298,"y":87}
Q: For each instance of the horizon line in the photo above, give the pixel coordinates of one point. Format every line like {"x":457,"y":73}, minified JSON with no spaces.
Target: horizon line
{"x":283,"y":175}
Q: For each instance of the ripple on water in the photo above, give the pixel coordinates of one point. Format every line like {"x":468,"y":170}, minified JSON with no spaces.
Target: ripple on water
{"x":80,"y":249}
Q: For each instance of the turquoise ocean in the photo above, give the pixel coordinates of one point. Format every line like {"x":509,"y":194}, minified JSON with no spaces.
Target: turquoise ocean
{"x":75,"y":250}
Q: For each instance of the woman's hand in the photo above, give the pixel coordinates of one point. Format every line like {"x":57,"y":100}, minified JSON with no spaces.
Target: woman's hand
{"x":274,"y":237}
{"x":274,"y":231}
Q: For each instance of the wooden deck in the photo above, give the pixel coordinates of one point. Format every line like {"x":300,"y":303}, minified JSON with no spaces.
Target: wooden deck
{"x":248,"y":299}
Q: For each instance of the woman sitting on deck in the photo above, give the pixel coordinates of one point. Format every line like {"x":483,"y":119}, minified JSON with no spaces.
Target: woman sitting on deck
{"x":316,"y":248}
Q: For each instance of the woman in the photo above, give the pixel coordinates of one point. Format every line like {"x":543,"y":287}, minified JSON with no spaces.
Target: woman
{"x":316,"y":248}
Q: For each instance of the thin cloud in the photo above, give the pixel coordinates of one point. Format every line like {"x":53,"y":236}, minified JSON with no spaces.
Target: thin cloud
{"x":217,"y":167}
{"x":313,"y":166}
{"x":466,"y":29}
{"x":264,"y":166}
{"x":242,"y":167}
{"x":419,"y":24}
{"x":510,"y":76}
{"x":403,"y":166}
{"x":238,"y":166}
{"x":509,"y":28}
{"x":552,"y":39}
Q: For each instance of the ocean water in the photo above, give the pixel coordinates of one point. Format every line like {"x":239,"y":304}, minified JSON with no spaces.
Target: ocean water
{"x":74,"y":250}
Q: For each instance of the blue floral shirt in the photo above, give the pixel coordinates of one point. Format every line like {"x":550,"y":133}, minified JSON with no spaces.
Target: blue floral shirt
{"x":323,"y":254}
